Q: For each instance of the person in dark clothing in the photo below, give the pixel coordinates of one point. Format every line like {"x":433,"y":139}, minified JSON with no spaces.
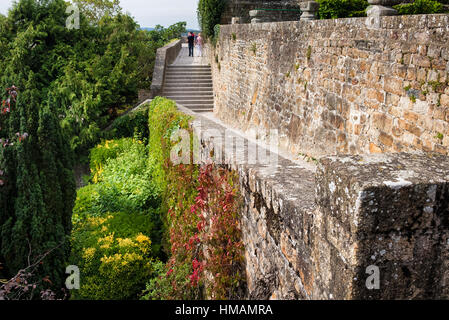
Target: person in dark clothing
{"x":191,"y":41}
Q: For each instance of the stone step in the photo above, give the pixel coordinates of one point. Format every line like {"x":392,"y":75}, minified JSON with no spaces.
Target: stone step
{"x":188,"y":96}
{"x":188,"y":73}
{"x":198,"y":105}
{"x":193,"y":90}
{"x":198,"y":68}
{"x":193,"y":93}
{"x":202,"y":110}
{"x":186,"y":85}
{"x":195,"y":101}
{"x":187,"y":78}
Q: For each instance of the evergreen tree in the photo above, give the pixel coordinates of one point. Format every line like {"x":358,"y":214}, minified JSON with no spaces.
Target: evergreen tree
{"x":37,"y":195}
{"x":37,"y":185}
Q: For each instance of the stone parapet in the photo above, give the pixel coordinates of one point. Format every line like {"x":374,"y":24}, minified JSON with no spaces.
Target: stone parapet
{"x":317,"y":232}
{"x":388,"y":211}
{"x":164,"y":56}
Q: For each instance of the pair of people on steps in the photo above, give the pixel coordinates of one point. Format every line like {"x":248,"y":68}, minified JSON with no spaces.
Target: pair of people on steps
{"x":198,"y":41}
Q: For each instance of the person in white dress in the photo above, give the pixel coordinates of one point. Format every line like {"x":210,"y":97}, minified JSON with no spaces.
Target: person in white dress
{"x":199,"y":45}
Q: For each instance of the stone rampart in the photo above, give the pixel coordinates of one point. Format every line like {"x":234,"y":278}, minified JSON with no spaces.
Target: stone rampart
{"x":344,"y":86}
{"x":321,"y":231}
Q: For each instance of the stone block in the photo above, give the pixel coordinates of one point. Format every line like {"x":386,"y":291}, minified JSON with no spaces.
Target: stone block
{"x":377,"y":11}
{"x":392,"y":209}
{"x":309,"y":9}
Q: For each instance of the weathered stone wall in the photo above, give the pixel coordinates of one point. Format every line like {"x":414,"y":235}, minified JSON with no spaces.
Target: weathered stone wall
{"x":241,"y":8}
{"x":338,"y":86}
{"x":311,"y":232}
{"x":164,"y":56}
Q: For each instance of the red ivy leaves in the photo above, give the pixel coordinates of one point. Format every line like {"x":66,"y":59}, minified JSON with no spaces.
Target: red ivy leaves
{"x":204,"y":231}
{"x":217,"y":231}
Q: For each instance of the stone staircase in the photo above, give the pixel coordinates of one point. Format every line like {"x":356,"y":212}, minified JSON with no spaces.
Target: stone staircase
{"x":190,"y":86}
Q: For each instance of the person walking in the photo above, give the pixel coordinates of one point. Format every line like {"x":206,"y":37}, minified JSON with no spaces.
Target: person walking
{"x":200,"y":44}
{"x":191,"y":41}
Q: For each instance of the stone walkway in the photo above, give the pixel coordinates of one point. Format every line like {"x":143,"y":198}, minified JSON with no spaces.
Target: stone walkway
{"x":188,"y":81}
{"x":183,"y":58}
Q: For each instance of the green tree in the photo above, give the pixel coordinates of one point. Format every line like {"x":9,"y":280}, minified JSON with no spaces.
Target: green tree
{"x":422,"y":7}
{"x":93,"y":72}
{"x":37,"y":189}
{"x":333,"y":9}
{"x":209,"y":14}
{"x":97,"y":9}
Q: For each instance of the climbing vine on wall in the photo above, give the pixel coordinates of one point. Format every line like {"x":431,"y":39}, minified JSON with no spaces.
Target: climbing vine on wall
{"x":217,"y":206}
{"x":202,"y":223}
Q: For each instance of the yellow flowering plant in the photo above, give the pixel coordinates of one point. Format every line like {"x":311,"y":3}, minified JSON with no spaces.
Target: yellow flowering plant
{"x":114,"y":255}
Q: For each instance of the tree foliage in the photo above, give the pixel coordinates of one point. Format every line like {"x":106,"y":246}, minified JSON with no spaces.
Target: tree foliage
{"x":333,"y":9}
{"x":209,"y":14}
{"x":68,"y":83}
{"x":422,"y":7}
{"x":92,"y":72}
{"x":37,"y":191}
{"x":97,"y":9}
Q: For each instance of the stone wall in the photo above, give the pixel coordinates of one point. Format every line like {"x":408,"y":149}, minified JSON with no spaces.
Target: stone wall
{"x":338,"y":86}
{"x":143,"y":95}
{"x":241,"y":8}
{"x":311,"y":232}
{"x":164,"y":56}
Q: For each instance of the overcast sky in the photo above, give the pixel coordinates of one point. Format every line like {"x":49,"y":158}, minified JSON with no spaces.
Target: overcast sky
{"x":149,"y":13}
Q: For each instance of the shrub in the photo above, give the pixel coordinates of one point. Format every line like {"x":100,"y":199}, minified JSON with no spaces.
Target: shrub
{"x":37,"y":185}
{"x":217,"y":207}
{"x":333,"y":9}
{"x":202,"y":218}
{"x":109,"y":149}
{"x":117,"y":223}
{"x":133,"y":124}
{"x":123,"y":180}
{"x":114,"y":255}
{"x":164,"y":120}
{"x":420,"y":7}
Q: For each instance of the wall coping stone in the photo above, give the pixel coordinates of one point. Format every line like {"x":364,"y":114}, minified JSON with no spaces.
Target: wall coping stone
{"x":293,"y":182}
